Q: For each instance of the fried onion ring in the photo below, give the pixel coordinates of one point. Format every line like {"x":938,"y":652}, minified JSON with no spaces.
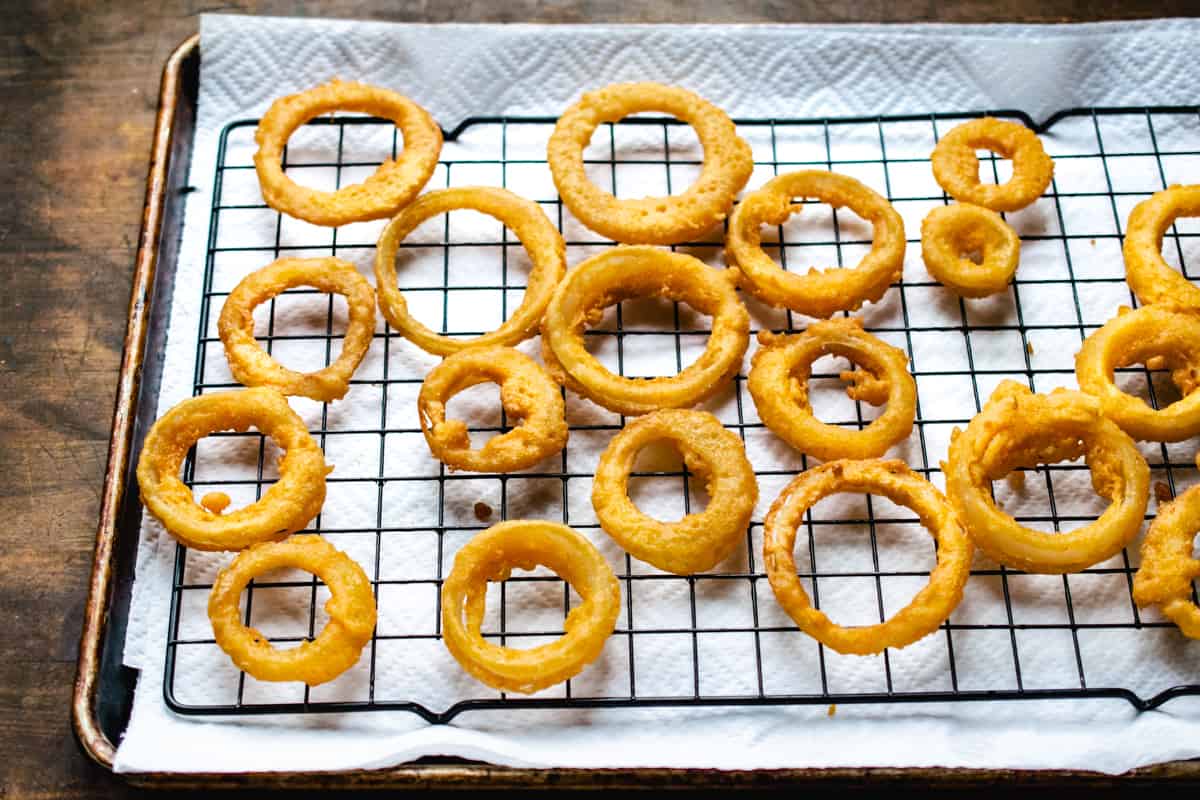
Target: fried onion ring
{"x":822,"y":291}
{"x":1169,"y":334}
{"x":525,"y":218}
{"x":956,"y":167}
{"x":1018,"y":429}
{"x":284,"y":508}
{"x":351,"y":610}
{"x":649,"y":220}
{"x":526,"y":392}
{"x":625,"y":272}
{"x":948,"y":232}
{"x":524,"y":544}
{"x":389,"y":189}
{"x":714,"y":454}
{"x":1149,"y":275}
{"x":894,"y":480}
{"x":778,"y":382}
{"x":253,"y":366}
{"x":1168,"y":567}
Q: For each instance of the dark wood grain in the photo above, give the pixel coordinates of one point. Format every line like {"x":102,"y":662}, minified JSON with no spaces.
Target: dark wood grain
{"x":78,"y":85}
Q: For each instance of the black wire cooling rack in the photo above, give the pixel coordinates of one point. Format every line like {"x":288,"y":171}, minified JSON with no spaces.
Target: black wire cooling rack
{"x":1000,"y":658}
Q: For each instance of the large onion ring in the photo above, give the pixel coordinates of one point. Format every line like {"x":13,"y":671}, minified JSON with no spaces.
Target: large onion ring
{"x":820,"y":292}
{"x":649,"y":220}
{"x":391,"y":187}
{"x":716,"y":455}
{"x":948,"y":232}
{"x":894,"y":480}
{"x":524,"y":544}
{"x":351,"y":610}
{"x":525,"y":218}
{"x":253,"y":366}
{"x":526,"y":392}
{"x":1150,"y":276}
{"x":1168,"y":567}
{"x":624,"y":272}
{"x":286,"y":506}
{"x":778,"y":382}
{"x":1019,"y":430}
{"x":1170,"y":334}
{"x":956,"y":167}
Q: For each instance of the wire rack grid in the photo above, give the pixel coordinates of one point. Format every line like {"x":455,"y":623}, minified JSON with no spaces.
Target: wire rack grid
{"x":716,"y":638}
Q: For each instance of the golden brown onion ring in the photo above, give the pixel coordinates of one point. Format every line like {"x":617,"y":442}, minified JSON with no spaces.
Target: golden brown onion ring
{"x":351,"y":610}
{"x":649,"y":220}
{"x":715,"y":455}
{"x":1168,"y":333}
{"x":948,"y":232}
{"x":524,"y":544}
{"x":1152,"y":279}
{"x":626,"y":272}
{"x":389,"y":188}
{"x":525,"y":218}
{"x":894,"y":480}
{"x":1168,"y":567}
{"x":1018,"y":429}
{"x":778,"y":382}
{"x":527,"y":394}
{"x":956,"y":167}
{"x":284,"y":508}
{"x":253,"y":366}
{"x":819,"y":292}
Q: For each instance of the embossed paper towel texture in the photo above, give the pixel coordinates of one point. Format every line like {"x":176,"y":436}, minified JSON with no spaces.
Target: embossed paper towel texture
{"x":462,"y":71}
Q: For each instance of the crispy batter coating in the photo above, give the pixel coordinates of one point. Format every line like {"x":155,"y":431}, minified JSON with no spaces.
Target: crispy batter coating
{"x":253,"y":366}
{"x":1152,"y":279}
{"x":956,"y":167}
{"x":351,"y":610}
{"x":778,"y":383}
{"x":492,"y":556}
{"x":713,"y":454}
{"x":622,"y":273}
{"x":821,"y":291}
{"x":1019,"y":429}
{"x":894,"y":480}
{"x":527,"y":394}
{"x":386,"y":191}
{"x":1170,"y":336}
{"x":948,"y":232}
{"x":525,"y":218}
{"x":285,"y":507}
{"x":1168,"y":567}
{"x":649,"y":220}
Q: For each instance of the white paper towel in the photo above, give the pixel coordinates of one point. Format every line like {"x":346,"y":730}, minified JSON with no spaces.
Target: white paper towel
{"x":460,"y":71}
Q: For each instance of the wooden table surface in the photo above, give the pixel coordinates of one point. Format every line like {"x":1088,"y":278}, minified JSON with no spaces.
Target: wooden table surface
{"x":78,"y":84}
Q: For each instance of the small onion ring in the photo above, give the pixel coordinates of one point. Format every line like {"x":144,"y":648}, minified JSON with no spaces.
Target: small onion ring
{"x":820,"y":292}
{"x":390,"y":188}
{"x":714,"y":454}
{"x":778,"y":383}
{"x":351,"y":610}
{"x":631,"y":271}
{"x":1171,"y":334}
{"x":525,"y":218}
{"x":286,"y":506}
{"x":894,"y":480}
{"x":1165,"y":576}
{"x":649,"y":220}
{"x":1149,"y":275}
{"x":1018,"y":429}
{"x":948,"y":232}
{"x":956,"y":167}
{"x":526,"y":392}
{"x":524,"y":544}
{"x":253,"y":366}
